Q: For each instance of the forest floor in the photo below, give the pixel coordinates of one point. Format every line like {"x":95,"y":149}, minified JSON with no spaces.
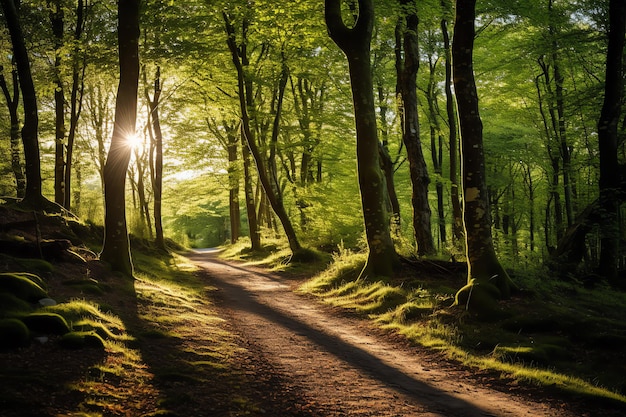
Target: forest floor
{"x":243,"y":342}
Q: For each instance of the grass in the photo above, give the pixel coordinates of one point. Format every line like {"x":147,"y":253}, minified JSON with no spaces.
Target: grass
{"x":559,"y":335}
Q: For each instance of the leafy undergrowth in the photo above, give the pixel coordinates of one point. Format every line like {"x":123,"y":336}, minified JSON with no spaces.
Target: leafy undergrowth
{"x":557,"y":335}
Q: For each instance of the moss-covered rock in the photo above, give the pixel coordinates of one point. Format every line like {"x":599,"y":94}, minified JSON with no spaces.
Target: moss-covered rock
{"x":10,"y":305}
{"x":13,"y":334}
{"x":80,"y":340}
{"x":46,"y":323}
{"x":22,"y":285}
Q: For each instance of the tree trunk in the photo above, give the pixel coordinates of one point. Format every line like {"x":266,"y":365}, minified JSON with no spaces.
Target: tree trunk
{"x":457,"y":212}
{"x":157,"y":167}
{"x":608,"y":141}
{"x":387,"y":164}
{"x":12,"y":106}
{"x":253,"y":225}
{"x":76,"y":100}
{"x":407,"y":65}
{"x":116,"y":246}
{"x":436,"y":145}
{"x":33,"y":197}
{"x":271,"y":193}
{"x":355,"y":43}
{"x":233,"y":183}
{"x":487,"y":280}
{"x":56,"y":19}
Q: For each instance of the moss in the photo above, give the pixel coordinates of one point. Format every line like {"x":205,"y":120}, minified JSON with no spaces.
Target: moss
{"x":47,"y":323}
{"x":13,"y":334}
{"x":80,"y":340}
{"x":306,"y":255}
{"x":90,"y":286}
{"x":22,"y":285}
{"x":10,"y":305}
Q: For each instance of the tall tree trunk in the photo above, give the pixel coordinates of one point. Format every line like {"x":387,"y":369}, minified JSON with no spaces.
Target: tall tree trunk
{"x":457,"y":212}
{"x":116,"y":246}
{"x":144,"y":207}
{"x":355,"y":43}
{"x":12,"y":106}
{"x":436,"y":145}
{"x":253,"y":225}
{"x":76,"y":99}
{"x":608,"y":141}
{"x":56,"y":19}
{"x":32,"y":194}
{"x":487,"y":280}
{"x":233,"y":182}
{"x":156,"y":139}
{"x":387,"y":164}
{"x":272,"y":194}
{"x":407,"y":65}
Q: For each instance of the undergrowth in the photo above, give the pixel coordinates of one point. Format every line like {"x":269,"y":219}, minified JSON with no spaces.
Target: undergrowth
{"x":553,"y":334}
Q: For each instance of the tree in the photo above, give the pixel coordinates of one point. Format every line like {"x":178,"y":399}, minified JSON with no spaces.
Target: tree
{"x":13,"y":101}
{"x":116,"y":246}
{"x":608,"y":140}
{"x":32,"y":193}
{"x":486,"y":279}
{"x":239,"y":59}
{"x":407,"y":64}
{"x":355,"y":43}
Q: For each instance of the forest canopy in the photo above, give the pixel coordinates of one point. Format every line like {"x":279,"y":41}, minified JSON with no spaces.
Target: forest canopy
{"x":248,"y":119}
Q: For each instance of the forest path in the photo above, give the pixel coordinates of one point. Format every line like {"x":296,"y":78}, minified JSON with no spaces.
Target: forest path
{"x":342,"y":365}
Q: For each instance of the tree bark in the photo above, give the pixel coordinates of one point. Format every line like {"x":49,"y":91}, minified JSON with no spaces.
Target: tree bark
{"x":33,"y":197}
{"x":407,"y":68}
{"x":56,"y":19}
{"x":457,"y":212}
{"x":116,"y":246}
{"x":387,"y":164}
{"x":608,"y":141}
{"x":157,"y":166}
{"x":76,"y":99}
{"x":487,"y":280}
{"x":355,"y":43}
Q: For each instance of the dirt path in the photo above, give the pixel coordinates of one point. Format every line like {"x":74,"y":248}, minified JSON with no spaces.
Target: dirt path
{"x":344,"y":367}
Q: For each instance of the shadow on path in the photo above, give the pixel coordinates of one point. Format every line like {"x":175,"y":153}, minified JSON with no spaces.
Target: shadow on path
{"x":423,"y":394}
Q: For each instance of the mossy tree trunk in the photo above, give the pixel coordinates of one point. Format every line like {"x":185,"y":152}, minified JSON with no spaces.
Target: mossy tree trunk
{"x":355,"y":44}
{"x":116,"y":247}
{"x":487,"y":280}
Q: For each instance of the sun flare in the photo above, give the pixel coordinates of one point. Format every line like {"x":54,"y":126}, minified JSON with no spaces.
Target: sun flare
{"x":134,"y":141}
